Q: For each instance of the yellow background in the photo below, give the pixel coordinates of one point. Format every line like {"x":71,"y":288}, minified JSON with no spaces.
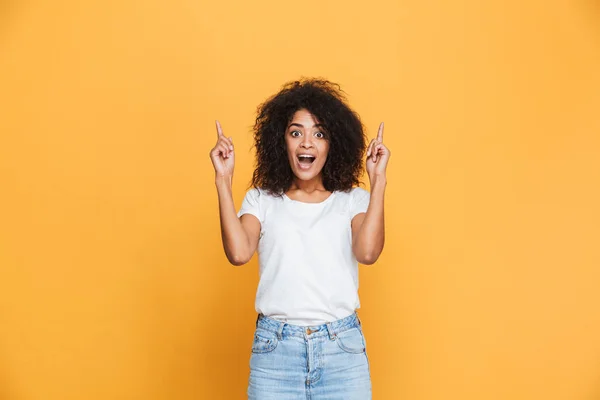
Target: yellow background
{"x":113,"y":281}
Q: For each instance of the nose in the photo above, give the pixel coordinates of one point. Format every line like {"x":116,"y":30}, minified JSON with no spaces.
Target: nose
{"x":306,"y":142}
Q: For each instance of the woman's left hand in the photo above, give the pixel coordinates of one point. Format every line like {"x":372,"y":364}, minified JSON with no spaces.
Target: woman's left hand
{"x":377,"y":157}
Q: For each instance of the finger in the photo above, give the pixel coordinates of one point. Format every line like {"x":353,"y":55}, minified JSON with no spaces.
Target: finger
{"x":224,"y":141}
{"x":378,"y":150}
{"x":380,"y":133}
{"x":219,"y":129}
{"x":374,"y":143}
{"x":374,"y":151}
{"x":369,"y":148}
{"x":224,"y":150}
{"x":227,"y":142}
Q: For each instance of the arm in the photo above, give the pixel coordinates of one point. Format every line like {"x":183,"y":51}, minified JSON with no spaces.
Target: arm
{"x":239,"y":235}
{"x":368,"y":229}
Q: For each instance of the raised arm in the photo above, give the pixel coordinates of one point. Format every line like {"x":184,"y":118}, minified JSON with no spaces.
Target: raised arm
{"x":239,"y":235}
{"x":368,"y":229}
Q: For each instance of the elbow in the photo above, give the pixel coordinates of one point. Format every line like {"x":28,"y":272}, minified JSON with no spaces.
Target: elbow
{"x":368,"y":259}
{"x":237,"y":255}
{"x":369,"y":253}
{"x":238,"y":260}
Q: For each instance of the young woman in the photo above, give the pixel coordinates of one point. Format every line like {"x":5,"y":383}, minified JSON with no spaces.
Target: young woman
{"x":311,"y":225}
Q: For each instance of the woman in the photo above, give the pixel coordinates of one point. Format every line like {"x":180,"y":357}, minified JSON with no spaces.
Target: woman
{"x":311,"y":225}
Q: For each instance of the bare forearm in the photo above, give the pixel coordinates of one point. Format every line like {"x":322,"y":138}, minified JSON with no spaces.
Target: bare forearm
{"x":233,"y":235}
{"x":371,"y":236}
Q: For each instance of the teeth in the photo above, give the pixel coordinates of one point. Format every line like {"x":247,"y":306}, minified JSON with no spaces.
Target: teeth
{"x":305,"y":156}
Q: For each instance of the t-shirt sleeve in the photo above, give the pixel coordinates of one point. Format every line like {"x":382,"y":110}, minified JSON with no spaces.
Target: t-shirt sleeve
{"x":251,"y":204}
{"x":359,"y":201}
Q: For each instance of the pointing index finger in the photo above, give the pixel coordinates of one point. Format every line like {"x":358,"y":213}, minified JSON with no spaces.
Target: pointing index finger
{"x":380,"y":133}
{"x":219,"y":130}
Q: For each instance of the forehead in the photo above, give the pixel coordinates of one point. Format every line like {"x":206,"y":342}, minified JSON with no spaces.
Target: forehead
{"x":305,"y":118}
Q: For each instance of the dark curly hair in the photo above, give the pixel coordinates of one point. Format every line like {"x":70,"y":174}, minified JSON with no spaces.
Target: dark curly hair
{"x":344,"y":131}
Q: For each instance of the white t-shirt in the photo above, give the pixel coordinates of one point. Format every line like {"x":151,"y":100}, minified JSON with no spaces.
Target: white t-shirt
{"x":308,"y":274}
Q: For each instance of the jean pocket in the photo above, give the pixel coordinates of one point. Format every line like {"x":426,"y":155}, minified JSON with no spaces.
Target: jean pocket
{"x":264,"y":341}
{"x":351,"y":340}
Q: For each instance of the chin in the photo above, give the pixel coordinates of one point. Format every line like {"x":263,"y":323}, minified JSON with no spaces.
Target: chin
{"x":307,"y":175}
{"x":303,"y":177}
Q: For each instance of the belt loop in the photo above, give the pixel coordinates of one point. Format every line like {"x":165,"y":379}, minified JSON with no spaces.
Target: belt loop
{"x":357,"y":318}
{"x":257,"y":318}
{"x":331,"y":331}
{"x":280,"y":330}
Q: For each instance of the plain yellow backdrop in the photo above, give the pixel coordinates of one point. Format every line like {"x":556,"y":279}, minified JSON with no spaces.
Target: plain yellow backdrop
{"x":113,"y":281}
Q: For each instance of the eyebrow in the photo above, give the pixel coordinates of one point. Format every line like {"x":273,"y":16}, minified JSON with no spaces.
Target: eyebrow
{"x":302,"y":126}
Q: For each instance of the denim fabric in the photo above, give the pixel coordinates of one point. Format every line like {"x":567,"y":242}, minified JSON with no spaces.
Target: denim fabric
{"x":321,"y":362}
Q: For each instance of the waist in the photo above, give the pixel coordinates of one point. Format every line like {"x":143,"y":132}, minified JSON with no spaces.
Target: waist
{"x":282,"y":328}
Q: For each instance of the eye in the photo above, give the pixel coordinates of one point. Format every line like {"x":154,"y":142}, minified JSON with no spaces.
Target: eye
{"x":319,"y":135}
{"x":295,"y":133}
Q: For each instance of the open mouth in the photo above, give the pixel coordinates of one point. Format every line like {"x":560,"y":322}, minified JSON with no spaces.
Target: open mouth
{"x":305,"y":160}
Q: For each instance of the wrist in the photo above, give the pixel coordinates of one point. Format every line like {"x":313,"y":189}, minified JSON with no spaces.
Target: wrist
{"x":223,"y":181}
{"x":378,"y":180}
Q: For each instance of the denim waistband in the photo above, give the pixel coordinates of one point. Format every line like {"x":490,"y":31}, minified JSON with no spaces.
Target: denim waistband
{"x":332,"y":328}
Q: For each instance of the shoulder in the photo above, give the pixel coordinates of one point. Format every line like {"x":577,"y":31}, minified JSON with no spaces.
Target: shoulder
{"x":260,"y":195}
{"x":252,"y":194}
{"x":357,"y":200}
{"x":256,"y":192}
{"x":359,"y":192}
{"x":352,"y":195}
{"x":355,"y":191}
{"x":353,"y":198}
{"x":358,"y":195}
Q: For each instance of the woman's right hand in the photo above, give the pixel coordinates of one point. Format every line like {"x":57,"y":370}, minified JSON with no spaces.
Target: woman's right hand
{"x":222,"y":155}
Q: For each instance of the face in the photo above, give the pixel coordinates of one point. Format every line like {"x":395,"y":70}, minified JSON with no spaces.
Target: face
{"x":307,"y":145}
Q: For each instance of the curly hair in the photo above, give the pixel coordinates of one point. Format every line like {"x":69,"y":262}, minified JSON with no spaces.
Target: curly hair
{"x":327,"y":103}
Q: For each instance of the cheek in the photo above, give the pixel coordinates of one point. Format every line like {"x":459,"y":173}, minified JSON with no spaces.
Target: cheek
{"x":290,"y":151}
{"x":325,"y":151}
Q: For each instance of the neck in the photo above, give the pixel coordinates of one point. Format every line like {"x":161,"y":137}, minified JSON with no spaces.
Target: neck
{"x":308,"y":186}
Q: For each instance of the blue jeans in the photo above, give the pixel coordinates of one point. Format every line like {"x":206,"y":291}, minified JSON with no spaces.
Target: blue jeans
{"x":322,"y":362}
